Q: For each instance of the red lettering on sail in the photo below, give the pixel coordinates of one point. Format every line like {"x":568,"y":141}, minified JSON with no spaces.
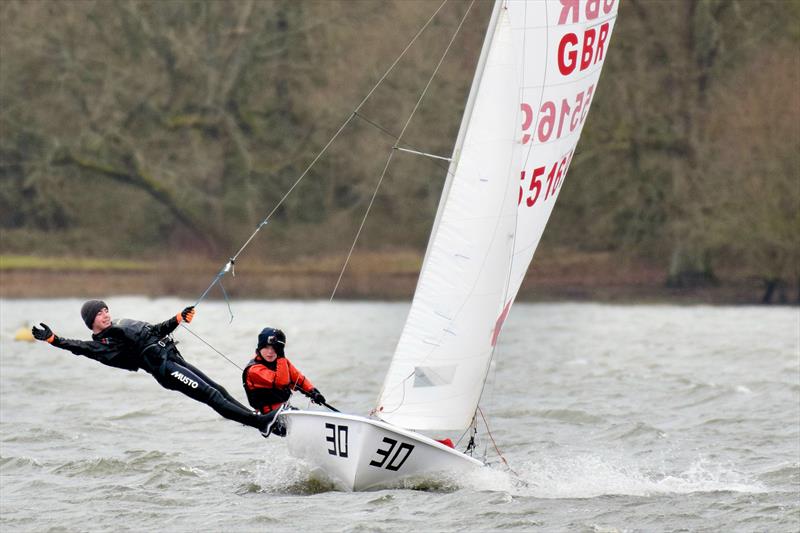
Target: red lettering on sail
{"x":527,"y":112}
{"x":556,"y":119}
{"x":546,"y":121}
{"x":588,"y":48}
{"x":536,"y":184}
{"x":571,"y":10}
{"x":555,"y":177}
{"x":592,"y":47}
{"x":567,"y":57}
{"x":498,"y":325}
{"x":566,"y":7}
{"x":592,"y":9}
{"x":601,"y":42}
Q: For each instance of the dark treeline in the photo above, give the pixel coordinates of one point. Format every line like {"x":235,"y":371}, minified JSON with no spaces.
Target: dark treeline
{"x":148,"y":128}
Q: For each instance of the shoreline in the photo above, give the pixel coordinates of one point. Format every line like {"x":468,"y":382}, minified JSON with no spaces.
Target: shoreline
{"x":541,"y":285}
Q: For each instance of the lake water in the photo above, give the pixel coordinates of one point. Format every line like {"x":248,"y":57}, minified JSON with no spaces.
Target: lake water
{"x":613,"y":418}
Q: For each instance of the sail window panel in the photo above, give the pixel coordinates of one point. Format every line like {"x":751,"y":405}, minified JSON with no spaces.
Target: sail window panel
{"x":438,"y":407}
{"x":433,"y":376}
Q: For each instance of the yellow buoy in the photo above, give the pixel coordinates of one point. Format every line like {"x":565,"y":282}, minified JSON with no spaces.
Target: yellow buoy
{"x":24,"y":334}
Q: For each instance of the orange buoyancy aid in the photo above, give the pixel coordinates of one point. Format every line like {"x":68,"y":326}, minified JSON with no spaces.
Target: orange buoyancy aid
{"x":268,"y":385}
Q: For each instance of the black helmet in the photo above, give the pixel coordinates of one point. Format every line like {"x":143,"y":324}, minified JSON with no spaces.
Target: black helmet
{"x":272,"y":337}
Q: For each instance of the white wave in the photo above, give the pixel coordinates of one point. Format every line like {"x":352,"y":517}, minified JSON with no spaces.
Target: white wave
{"x":590,"y":476}
{"x":281,"y":473}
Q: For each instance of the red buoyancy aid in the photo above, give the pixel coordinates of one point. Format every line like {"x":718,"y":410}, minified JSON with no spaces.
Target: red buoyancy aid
{"x":268,"y":394}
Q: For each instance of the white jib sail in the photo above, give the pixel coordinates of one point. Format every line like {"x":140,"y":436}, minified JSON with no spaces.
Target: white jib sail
{"x":536,"y":79}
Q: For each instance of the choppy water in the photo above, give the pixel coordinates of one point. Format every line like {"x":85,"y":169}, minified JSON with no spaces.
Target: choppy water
{"x":614,"y":418}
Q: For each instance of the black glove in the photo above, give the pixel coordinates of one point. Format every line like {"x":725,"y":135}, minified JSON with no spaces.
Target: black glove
{"x":316,"y":397}
{"x":44,"y":333}
{"x":188,"y":314}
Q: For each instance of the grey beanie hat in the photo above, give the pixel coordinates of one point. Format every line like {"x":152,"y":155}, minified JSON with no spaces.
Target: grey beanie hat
{"x":89,"y":311}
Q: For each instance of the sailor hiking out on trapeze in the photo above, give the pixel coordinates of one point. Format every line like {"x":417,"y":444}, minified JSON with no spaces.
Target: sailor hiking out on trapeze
{"x":131,"y":345}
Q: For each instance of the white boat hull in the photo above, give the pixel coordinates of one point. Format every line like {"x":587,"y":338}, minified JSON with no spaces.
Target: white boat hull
{"x":359,"y":453}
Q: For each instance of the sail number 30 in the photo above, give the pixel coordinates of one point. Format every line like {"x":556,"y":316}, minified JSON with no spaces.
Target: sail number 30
{"x":392,"y":457}
{"x":337,"y":437}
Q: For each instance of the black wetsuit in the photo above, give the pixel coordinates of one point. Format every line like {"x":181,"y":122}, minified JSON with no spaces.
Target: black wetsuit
{"x":131,"y":345}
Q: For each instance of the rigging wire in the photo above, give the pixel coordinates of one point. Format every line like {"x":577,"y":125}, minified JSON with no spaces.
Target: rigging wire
{"x":229,"y":265}
{"x":499,"y":453}
{"x":396,"y":138}
{"x":397,"y":142}
{"x":377,"y":126}
{"x":361,"y":226}
{"x":472,"y":426}
{"x":436,"y":70}
{"x":209,"y":345}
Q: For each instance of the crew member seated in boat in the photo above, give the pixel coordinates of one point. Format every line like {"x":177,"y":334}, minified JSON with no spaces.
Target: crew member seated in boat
{"x":131,"y":345}
{"x":269,"y":378}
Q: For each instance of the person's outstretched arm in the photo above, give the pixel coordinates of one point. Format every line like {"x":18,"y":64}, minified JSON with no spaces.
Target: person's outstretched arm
{"x":168,"y":326}
{"x":99,"y":351}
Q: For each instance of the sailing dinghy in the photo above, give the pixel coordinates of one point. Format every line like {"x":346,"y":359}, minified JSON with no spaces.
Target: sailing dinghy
{"x":535,"y":80}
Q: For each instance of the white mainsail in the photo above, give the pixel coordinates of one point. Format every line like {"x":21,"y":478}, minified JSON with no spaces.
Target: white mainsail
{"x":538,"y":72}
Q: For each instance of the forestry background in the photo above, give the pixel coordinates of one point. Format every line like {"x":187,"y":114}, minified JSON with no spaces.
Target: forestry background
{"x":153,"y":137}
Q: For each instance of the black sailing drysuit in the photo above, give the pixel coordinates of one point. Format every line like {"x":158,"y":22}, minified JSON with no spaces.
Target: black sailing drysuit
{"x":131,"y":344}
